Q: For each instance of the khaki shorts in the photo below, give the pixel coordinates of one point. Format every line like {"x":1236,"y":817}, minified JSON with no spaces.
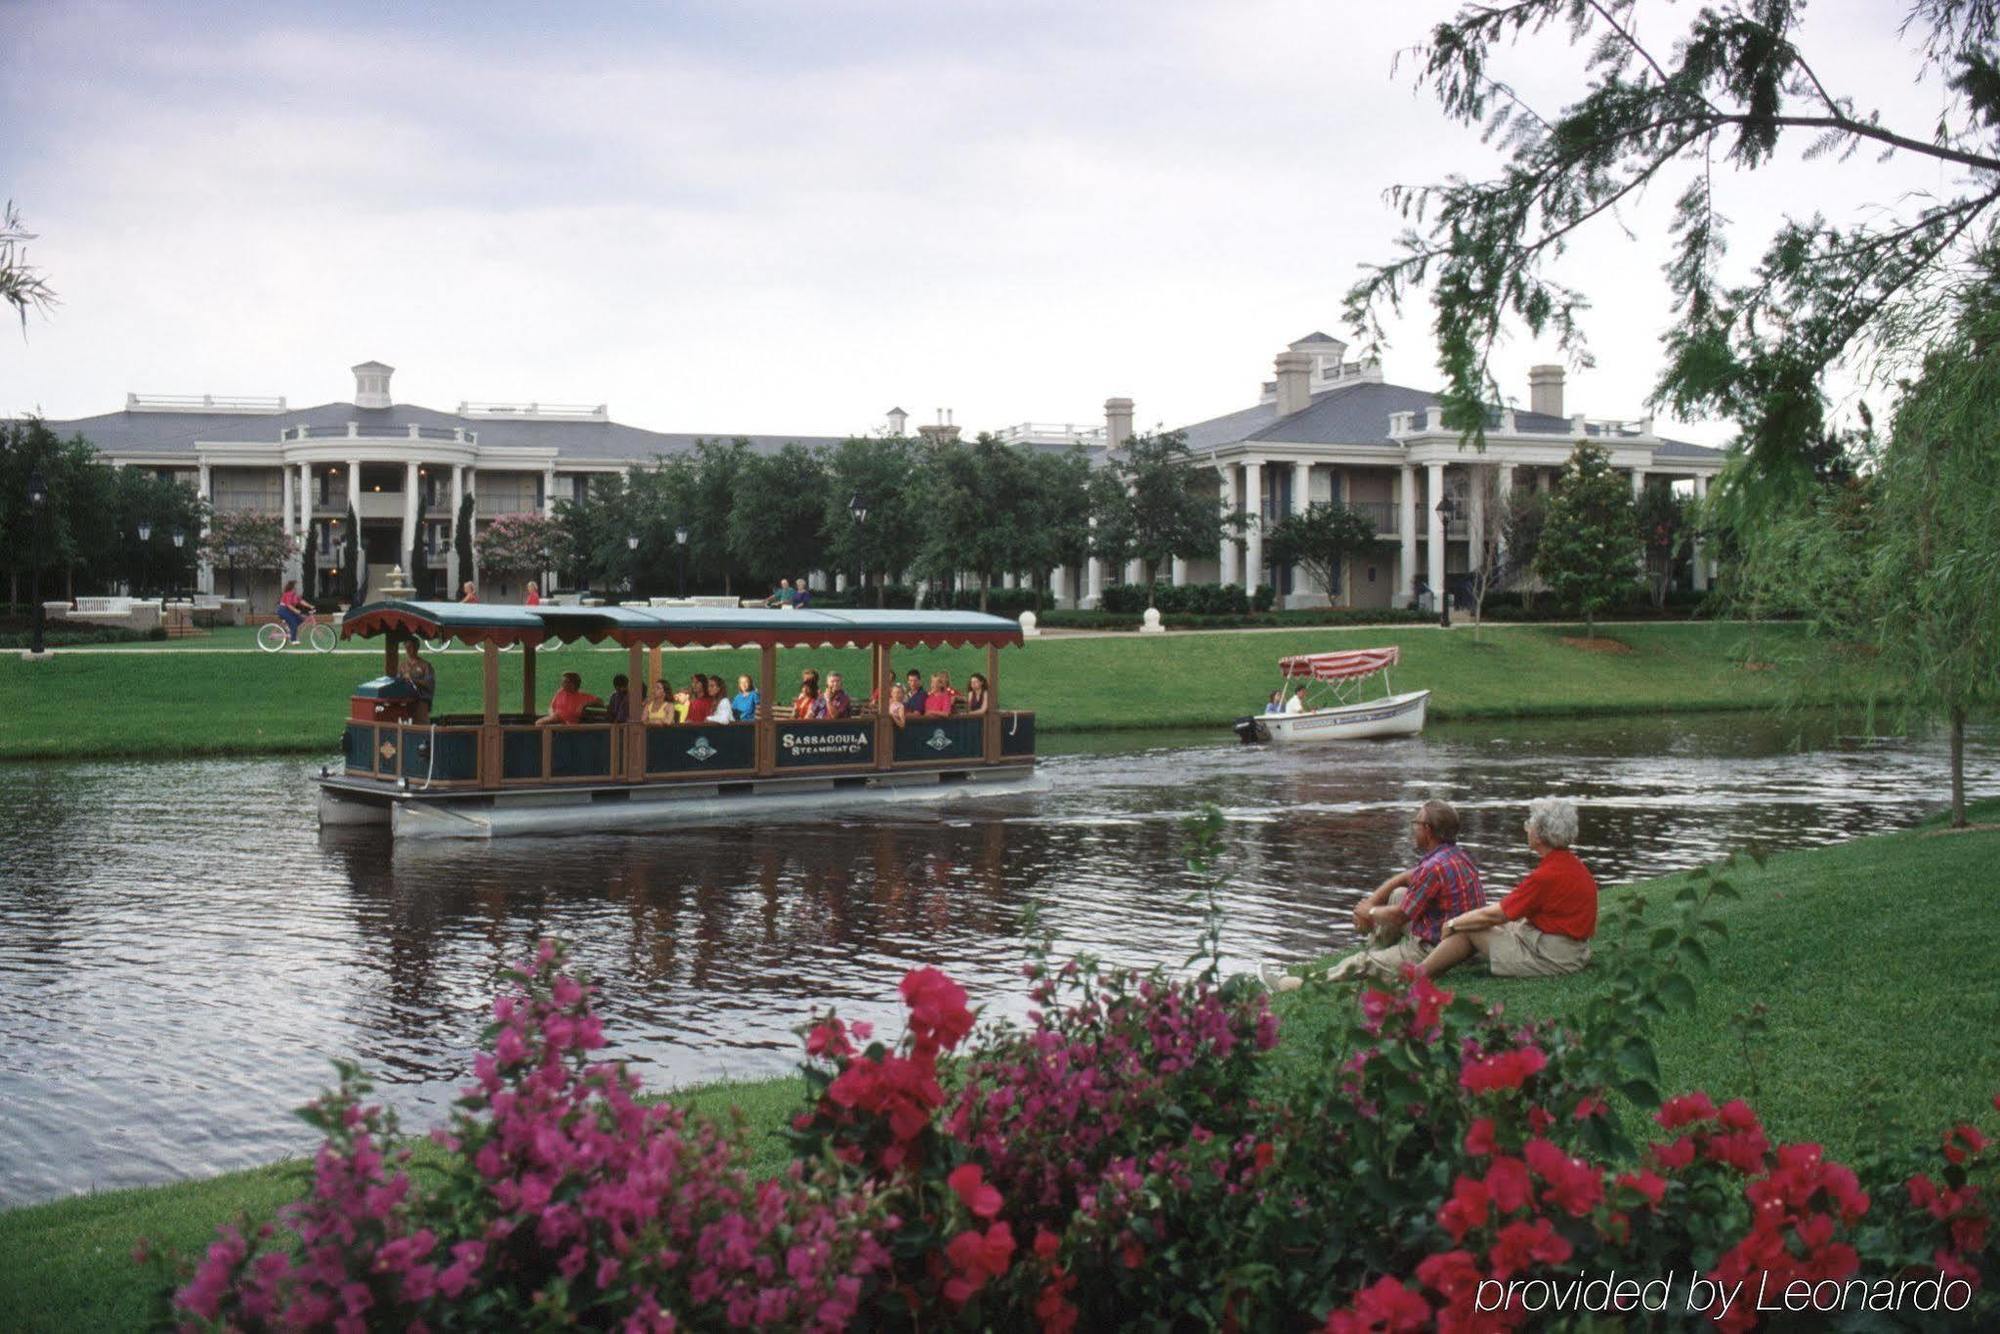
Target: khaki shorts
{"x":1384,"y":963}
{"x":1519,"y":950}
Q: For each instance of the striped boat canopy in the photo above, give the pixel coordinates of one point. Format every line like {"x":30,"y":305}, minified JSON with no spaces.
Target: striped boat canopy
{"x":1340,"y":666}
{"x":734,"y":627}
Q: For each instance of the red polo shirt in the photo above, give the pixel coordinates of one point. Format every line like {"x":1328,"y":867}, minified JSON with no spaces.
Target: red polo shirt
{"x":568,"y":705}
{"x":1558,"y":897}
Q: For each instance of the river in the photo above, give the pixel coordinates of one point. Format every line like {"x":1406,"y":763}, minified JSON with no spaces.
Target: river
{"x":182,"y":952}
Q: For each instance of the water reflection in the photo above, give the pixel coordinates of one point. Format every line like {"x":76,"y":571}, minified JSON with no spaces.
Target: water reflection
{"x":181,"y":951}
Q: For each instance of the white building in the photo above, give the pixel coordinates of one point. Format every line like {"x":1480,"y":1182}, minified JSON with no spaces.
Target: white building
{"x":1327,"y":429}
{"x":310,"y":464}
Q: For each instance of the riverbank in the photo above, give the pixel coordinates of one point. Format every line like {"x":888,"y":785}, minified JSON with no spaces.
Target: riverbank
{"x":175,"y":705}
{"x":1870,"y":997}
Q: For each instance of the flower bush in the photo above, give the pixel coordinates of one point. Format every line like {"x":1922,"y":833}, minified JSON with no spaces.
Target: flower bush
{"x":1138,"y":1152}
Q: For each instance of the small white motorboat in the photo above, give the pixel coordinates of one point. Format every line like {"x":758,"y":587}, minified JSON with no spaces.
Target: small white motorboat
{"x":1337,"y":715}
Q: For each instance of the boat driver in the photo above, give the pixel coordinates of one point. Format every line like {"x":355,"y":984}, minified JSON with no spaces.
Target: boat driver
{"x":1297,"y":703}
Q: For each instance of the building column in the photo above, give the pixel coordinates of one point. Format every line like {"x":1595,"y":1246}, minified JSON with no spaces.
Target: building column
{"x":205,"y":483}
{"x":453,"y":576}
{"x":1475,"y":495}
{"x":1638,"y":483}
{"x":1059,"y":585}
{"x":1226,"y":568}
{"x":310,"y":548}
{"x":1697,"y":559}
{"x":1179,"y":572}
{"x":1301,"y":498}
{"x":289,"y":511}
{"x":1253,"y":533}
{"x":354,"y":490}
{"x":1432,"y":495}
{"x":1094,"y":582}
{"x":1406,"y":531}
{"x":549,"y":491}
{"x":410,"y":483}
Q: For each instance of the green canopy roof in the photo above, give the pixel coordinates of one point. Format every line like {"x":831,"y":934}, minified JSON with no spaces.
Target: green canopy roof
{"x":480,"y":622}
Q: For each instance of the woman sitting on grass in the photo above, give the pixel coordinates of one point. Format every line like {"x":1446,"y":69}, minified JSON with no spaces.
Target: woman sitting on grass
{"x":1543,"y":927}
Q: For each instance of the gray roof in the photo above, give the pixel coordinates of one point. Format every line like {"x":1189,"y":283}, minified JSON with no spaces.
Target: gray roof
{"x":176,"y":432}
{"x":1358,"y":414}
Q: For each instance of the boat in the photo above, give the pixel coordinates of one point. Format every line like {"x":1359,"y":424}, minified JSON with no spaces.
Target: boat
{"x":1345,"y":717}
{"x":498,"y":773}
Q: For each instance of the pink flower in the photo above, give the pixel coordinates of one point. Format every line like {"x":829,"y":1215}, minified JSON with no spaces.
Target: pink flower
{"x":969,"y":1184}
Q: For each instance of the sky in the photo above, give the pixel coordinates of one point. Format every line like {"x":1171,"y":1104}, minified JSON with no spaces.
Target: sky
{"x":757,"y":217}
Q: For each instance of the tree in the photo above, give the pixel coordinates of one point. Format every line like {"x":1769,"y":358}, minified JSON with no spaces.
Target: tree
{"x":420,"y":564}
{"x":1664,"y":533}
{"x":522,"y":546}
{"x":1522,"y":522}
{"x":1159,"y":507}
{"x":248,"y":540}
{"x":350,"y":559}
{"x":1058,"y":495}
{"x":462,"y":541}
{"x":140,"y":496}
{"x":878,"y":471}
{"x":21,"y":284}
{"x":775,"y":515}
{"x":1322,"y":539}
{"x":1726,"y":92}
{"x":1491,"y":560}
{"x":1589,"y":547}
{"x":975,"y":510}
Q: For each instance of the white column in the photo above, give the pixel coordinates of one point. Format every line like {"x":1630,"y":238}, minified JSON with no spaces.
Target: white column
{"x":453,"y":576}
{"x":840,"y":581}
{"x":1227,"y":571}
{"x":290,"y":510}
{"x":205,"y":483}
{"x":309,"y":550}
{"x":1432,"y":495}
{"x":1094,"y":582}
{"x":1179,"y":572}
{"x":410,"y":484}
{"x":1059,"y":585}
{"x":1406,"y":530}
{"x":1638,"y":482}
{"x":1010,"y":581}
{"x":549,"y":491}
{"x":354,"y":490}
{"x":1301,"y":498}
{"x":1476,"y":512}
{"x":1697,"y":558}
{"x":1253,"y":541}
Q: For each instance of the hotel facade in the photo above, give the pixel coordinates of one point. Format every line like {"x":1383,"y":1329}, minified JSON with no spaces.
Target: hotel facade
{"x":1324,"y":428}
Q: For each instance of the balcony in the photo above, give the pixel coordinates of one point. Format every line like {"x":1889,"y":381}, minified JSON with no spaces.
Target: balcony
{"x":358,"y":431}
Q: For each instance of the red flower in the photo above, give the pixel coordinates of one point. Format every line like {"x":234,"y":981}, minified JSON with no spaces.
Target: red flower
{"x":1588,"y":1106}
{"x":1466,"y":1209}
{"x":937,"y":1007}
{"x":969,"y":1184}
{"x":1262,"y":1157}
{"x":1685,"y":1109}
{"x":1479,"y":1139}
{"x":1673,"y":1157}
{"x":1522,"y":1244}
{"x":1383,"y":1307}
{"x":977,"y":1257}
{"x":1647,"y":1183}
{"x":1573,"y":1186}
{"x":1508,"y":1070}
{"x":1508,"y":1184}
{"x":1047,"y":1244}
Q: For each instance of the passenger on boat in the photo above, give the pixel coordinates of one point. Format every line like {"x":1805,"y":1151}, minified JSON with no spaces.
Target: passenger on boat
{"x":1405,"y":915}
{"x":782,"y":595}
{"x":417,"y":670}
{"x":746,"y":701}
{"x":719,"y":708}
{"x":1276,"y":704}
{"x":977,"y":697}
{"x":914,"y":703}
{"x":838,"y":703}
{"x":941,"y":697}
{"x":532,"y":595}
{"x":660,"y":704}
{"x":568,"y":703}
{"x":1297,"y":703}
{"x":619,"y":707}
{"x":1542,"y":928}
{"x":898,"y":708}
{"x":697,"y":703}
{"x":803,"y":597}
{"x":808,"y":704}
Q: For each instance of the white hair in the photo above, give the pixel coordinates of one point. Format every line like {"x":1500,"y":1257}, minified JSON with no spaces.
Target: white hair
{"x":1553,"y":820}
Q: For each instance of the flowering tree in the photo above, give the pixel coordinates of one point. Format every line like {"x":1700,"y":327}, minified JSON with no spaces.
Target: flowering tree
{"x":521,"y":545}
{"x":250,"y":539}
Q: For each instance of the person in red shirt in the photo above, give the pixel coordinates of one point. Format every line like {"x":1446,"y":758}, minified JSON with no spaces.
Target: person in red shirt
{"x":1541,"y":929}
{"x":568,"y":703}
{"x":468,"y":593}
{"x":532,"y":597}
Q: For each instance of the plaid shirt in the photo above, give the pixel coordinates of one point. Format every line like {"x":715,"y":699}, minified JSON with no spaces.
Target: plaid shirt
{"x":1443,"y":884}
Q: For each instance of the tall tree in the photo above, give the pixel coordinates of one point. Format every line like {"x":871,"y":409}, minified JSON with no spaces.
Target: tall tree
{"x":1522,"y":521}
{"x":1057,"y":529}
{"x":1659,"y":116}
{"x":1322,"y":540}
{"x":1590,"y":547}
{"x":1664,"y":534}
{"x":351,"y":577}
{"x":975,"y":500}
{"x":776,"y":514}
{"x":1160,"y":506}
{"x":420,"y":563}
{"x":880,"y":473}
{"x":462,"y":541}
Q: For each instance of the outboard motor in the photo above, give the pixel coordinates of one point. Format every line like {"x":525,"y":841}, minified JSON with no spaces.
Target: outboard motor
{"x":1251,"y":729}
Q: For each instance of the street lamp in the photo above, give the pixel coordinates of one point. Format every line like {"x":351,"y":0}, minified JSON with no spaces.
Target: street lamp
{"x":145,"y":536}
{"x":681,"y":559}
{"x":632,"y":570}
{"x":1444,"y":512}
{"x":858,"y":507}
{"x":180,"y":540}
{"x":38,"y":500}
{"x":229,"y":550}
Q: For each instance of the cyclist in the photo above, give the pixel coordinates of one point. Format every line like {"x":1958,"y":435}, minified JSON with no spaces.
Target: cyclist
{"x":292,"y":610}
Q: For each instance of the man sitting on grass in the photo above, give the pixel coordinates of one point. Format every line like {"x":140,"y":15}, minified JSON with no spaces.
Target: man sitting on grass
{"x":1405,"y":916}
{"x":1543,"y":927}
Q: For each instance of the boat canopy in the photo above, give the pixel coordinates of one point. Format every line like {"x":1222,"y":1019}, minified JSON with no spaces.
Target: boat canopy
{"x":1346,"y":666}
{"x":735,"y":627}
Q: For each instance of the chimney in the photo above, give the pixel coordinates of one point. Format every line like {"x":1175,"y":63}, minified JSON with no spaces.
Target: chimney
{"x":1545,"y":390}
{"x":371,"y":384}
{"x":1117,"y":422}
{"x":1294,"y":374}
{"x":898,"y":421}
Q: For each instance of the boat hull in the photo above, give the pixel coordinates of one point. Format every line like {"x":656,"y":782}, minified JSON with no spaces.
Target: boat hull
{"x":601,"y":809}
{"x":1398,"y":715}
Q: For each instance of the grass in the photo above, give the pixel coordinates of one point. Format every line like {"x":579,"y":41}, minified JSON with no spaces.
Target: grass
{"x":175,"y":704}
{"x":1874,"y":958}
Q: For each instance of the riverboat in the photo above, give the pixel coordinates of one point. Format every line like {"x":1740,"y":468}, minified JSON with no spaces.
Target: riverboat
{"x":1345,"y":718}
{"x":498,"y":773}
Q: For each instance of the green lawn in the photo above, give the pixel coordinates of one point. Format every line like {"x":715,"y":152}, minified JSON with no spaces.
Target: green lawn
{"x":1874,"y":958}
{"x":176,"y":704}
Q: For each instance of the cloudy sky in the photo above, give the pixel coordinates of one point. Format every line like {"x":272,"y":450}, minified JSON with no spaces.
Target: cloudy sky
{"x":764,"y":217}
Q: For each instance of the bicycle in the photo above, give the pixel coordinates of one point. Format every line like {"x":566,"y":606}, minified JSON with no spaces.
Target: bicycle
{"x":272,"y":637}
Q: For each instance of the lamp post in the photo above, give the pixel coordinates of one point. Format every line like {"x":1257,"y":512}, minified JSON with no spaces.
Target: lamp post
{"x":145,"y":536}
{"x":681,"y":560}
{"x":858,"y":507}
{"x":632,"y":566}
{"x":180,"y":540}
{"x":229,"y":550}
{"x":1444,"y":510}
{"x":38,"y":500}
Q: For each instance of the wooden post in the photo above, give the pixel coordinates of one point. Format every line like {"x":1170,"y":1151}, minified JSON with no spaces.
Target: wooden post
{"x":635,"y":712}
{"x":652,"y":666}
{"x":767,"y":720}
{"x":489,"y":731}
{"x":992,"y":703}
{"x":390,"y":642}
{"x":885,"y":729}
{"x":528,"y":681}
